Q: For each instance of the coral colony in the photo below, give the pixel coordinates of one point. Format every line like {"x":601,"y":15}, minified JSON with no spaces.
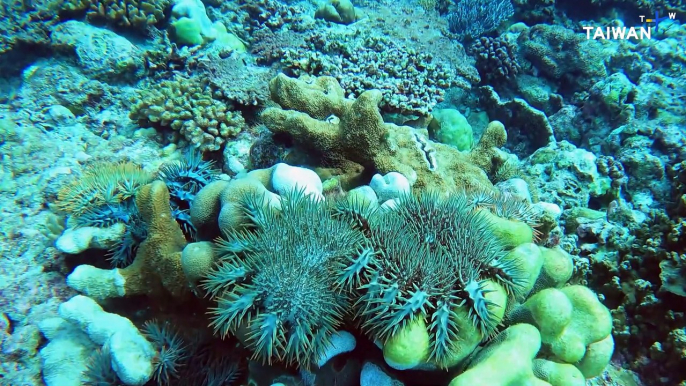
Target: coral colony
{"x":342,"y":193}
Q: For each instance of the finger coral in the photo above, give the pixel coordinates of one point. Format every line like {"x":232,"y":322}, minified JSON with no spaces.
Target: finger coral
{"x":157,"y":264}
{"x":188,"y":105}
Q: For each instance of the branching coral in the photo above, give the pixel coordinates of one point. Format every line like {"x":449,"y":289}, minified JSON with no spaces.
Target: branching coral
{"x":320,"y":120}
{"x":190,"y":106}
{"x":157,"y":265}
{"x":496,"y":58}
{"x":271,"y":14}
{"x":410,"y":82}
{"x":129,"y":13}
{"x":158,"y":261}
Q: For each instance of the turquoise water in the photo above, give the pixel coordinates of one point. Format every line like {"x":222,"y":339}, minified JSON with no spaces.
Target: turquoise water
{"x":342,"y":192}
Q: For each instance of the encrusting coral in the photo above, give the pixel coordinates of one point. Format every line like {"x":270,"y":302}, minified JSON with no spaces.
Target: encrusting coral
{"x":321,"y":120}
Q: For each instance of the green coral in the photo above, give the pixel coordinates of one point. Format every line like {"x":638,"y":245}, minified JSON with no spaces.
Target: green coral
{"x":192,"y":107}
{"x":507,"y":360}
{"x":456,"y":278}
{"x":450,"y":127}
{"x":571,"y":320}
{"x":187,"y":31}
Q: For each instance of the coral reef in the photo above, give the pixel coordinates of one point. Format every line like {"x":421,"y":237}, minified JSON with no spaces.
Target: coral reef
{"x":128,"y":13}
{"x":473,"y":18}
{"x":411,"y":82}
{"x":157,"y":265}
{"x":496,"y":58}
{"x":562,"y":54}
{"x":405,"y":212}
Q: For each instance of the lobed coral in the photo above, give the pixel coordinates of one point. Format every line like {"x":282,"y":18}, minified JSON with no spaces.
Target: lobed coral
{"x":355,"y":254}
{"x":192,"y":107}
{"x":344,"y":132}
{"x":448,"y":281}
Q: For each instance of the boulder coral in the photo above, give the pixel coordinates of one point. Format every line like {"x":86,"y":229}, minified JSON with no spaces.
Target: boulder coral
{"x":349,"y":132}
{"x":555,"y":337}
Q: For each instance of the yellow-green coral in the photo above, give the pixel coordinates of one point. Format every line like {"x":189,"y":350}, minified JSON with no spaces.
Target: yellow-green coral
{"x":571,"y":320}
{"x":337,"y":11}
{"x":102,"y":184}
{"x":197,"y":260}
{"x":507,"y":360}
{"x":320,"y":119}
{"x":410,"y":346}
{"x":189,"y":106}
{"x":128,"y":13}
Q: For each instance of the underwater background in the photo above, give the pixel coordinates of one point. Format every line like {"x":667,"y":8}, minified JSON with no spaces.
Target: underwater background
{"x":342,"y":192}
